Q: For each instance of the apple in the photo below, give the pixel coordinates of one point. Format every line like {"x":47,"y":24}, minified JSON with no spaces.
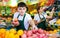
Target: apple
{"x":34,"y":35}
{"x":45,"y":36}
{"x":40,"y":36}
{"x":40,"y":31}
{"x":29,"y":33}
{"x":15,"y":23}
{"x":15,"y":20}
{"x":45,"y":32}
{"x":37,"y":34}
{"x":25,"y":31}
{"x":34,"y":31}
{"x":30,"y":37}
{"x":24,"y":36}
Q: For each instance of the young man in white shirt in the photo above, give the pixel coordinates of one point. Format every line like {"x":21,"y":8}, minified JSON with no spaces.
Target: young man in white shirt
{"x":24,"y":19}
{"x":41,"y":16}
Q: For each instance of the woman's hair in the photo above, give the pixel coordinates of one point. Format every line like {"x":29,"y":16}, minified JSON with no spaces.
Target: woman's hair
{"x":22,"y":4}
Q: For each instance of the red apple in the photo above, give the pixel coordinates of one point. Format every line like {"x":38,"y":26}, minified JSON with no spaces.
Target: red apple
{"x":37,"y":34}
{"x":24,"y":36}
{"x":15,"y":23}
{"x":34,"y":35}
{"x":40,"y":31}
{"x":25,"y":31}
{"x":40,"y":36}
{"x":30,"y":37}
{"x":45,"y":36}
{"x":45,"y":32}
{"x":29,"y":33}
{"x":34,"y":31}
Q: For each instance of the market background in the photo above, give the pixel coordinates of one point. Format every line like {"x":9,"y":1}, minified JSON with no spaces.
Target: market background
{"x":9,"y":7}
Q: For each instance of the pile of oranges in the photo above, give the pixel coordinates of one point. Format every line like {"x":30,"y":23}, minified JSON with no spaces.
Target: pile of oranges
{"x":12,"y":33}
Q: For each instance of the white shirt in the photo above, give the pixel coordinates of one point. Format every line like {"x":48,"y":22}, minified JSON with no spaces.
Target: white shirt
{"x":52,"y":21}
{"x":36,"y":17}
{"x":27,"y":18}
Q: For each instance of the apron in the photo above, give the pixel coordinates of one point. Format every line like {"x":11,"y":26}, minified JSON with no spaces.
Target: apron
{"x":21,"y":25}
{"x":42,"y":24}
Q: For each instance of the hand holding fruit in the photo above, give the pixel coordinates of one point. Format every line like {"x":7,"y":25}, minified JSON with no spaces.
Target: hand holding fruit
{"x":15,"y":22}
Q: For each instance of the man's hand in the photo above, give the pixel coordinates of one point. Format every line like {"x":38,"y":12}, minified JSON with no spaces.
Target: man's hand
{"x":15,"y":23}
{"x":34,"y":27}
{"x":31,"y":22}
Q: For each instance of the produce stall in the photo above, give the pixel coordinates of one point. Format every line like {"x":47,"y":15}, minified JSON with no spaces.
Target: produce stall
{"x":8,"y":8}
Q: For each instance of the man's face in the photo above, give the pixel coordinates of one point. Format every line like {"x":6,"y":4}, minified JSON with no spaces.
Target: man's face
{"x":21,"y":10}
{"x":41,"y":9}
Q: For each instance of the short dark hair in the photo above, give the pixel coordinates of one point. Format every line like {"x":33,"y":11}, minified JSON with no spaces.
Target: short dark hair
{"x":38,"y":8}
{"x":22,"y":4}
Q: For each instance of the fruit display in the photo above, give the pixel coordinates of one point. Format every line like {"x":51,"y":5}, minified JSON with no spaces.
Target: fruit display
{"x":12,"y":33}
{"x":54,"y":33}
{"x":58,"y":21}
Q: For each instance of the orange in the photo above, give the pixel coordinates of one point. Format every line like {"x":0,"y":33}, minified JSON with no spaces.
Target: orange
{"x":2,"y":30}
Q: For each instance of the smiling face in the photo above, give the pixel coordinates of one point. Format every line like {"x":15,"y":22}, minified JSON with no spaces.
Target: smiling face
{"x":40,"y":9}
{"x":22,"y":10}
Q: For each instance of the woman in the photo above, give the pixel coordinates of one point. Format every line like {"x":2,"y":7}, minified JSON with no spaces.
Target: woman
{"x":41,"y":16}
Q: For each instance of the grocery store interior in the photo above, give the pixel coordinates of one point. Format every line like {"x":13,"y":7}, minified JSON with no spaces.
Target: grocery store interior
{"x":9,"y":7}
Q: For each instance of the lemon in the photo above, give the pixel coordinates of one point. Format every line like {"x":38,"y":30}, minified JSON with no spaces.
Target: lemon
{"x":11,"y":35}
{"x":20,"y":32}
{"x":58,"y":21}
{"x":12,"y":31}
{"x":50,"y":32}
{"x":55,"y":31}
{"x":7,"y":33}
{"x":16,"y":36}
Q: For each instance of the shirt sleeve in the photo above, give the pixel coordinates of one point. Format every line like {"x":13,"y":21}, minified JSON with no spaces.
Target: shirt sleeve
{"x":52,"y":21}
{"x":45,"y":15}
{"x":15,"y":15}
{"x":36,"y":17}
{"x":29,"y":17}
